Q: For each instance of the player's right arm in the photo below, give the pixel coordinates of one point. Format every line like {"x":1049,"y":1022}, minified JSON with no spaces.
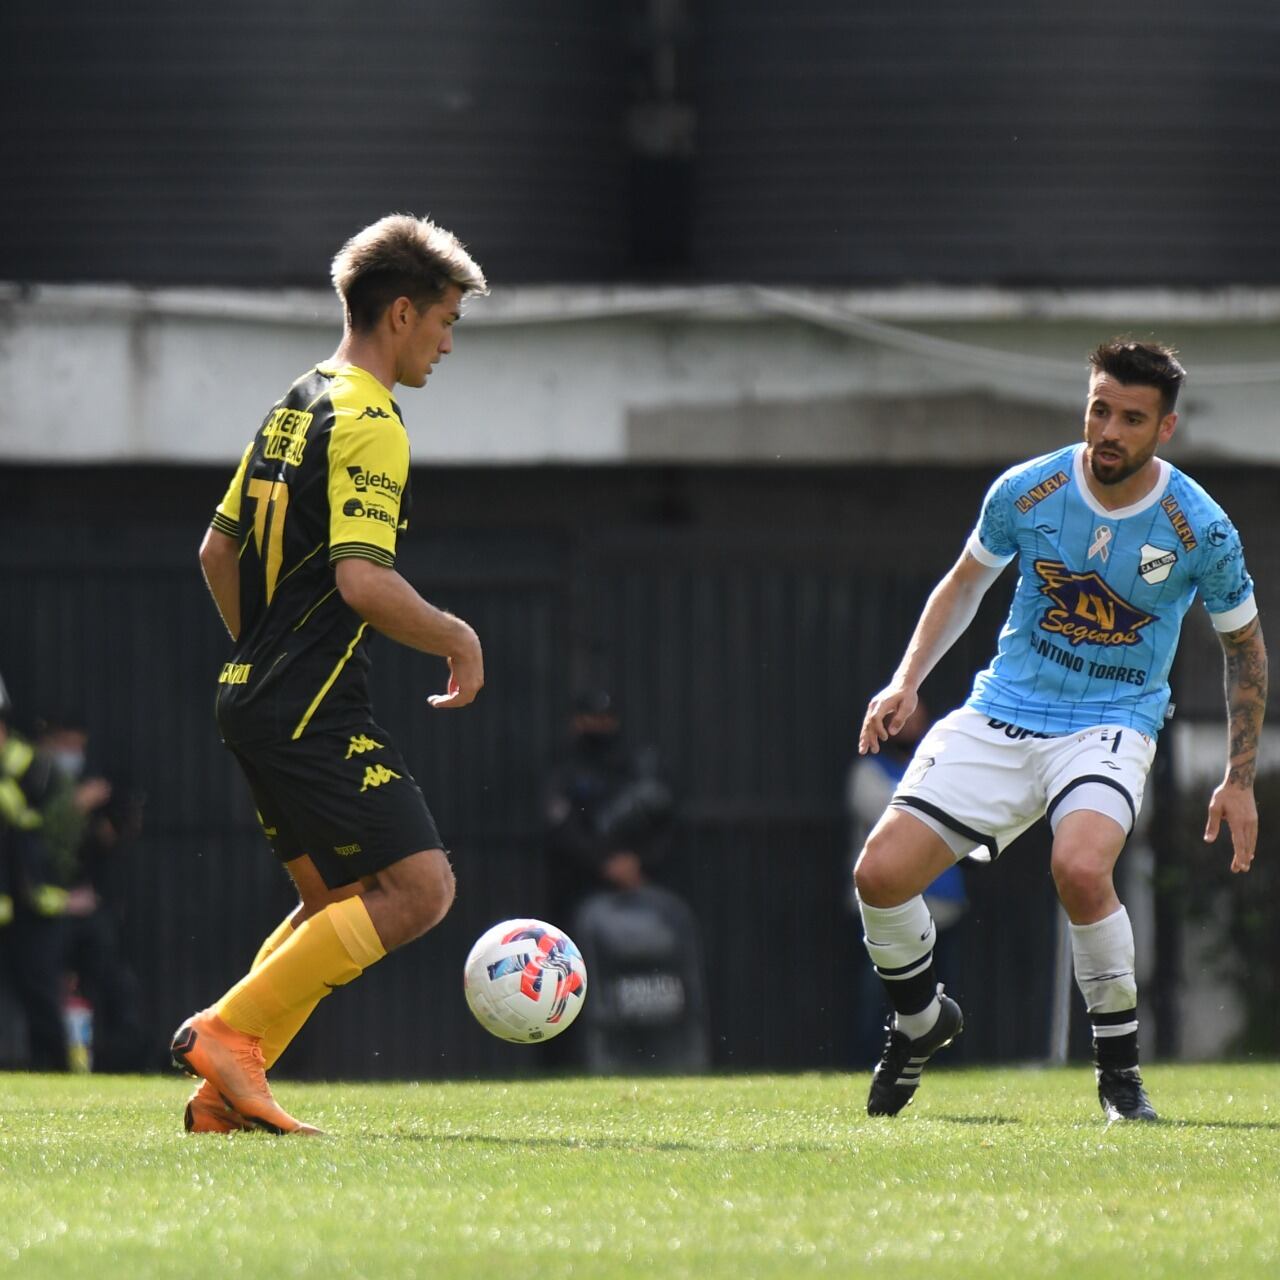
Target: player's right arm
{"x":947,"y":614}
{"x":390,"y":605}
{"x":220,"y":560}
{"x":220,"y":550}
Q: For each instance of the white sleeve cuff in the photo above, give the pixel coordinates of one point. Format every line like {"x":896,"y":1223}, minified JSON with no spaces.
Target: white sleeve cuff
{"x":975,"y":548}
{"x":1235,"y":618}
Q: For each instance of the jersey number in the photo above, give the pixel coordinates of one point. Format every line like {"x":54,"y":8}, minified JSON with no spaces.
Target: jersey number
{"x":271,"y":505}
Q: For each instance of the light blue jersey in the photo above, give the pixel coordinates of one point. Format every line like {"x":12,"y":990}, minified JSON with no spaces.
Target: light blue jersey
{"x":1101,"y":594}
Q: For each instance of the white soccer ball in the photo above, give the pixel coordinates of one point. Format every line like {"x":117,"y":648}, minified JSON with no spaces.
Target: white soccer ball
{"x":525,"y":981}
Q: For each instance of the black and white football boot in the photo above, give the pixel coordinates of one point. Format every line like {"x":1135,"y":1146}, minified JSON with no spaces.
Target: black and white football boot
{"x":897,"y":1074}
{"x":1122,"y":1096}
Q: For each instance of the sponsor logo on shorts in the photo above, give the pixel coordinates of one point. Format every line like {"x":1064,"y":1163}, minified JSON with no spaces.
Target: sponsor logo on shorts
{"x":346,"y":850}
{"x":1085,"y":610}
{"x":379,"y":482}
{"x":235,"y":673}
{"x":1156,"y":563}
{"x":376,"y":774}
{"x":361,"y":744}
{"x":1186,"y":535}
{"x":1025,"y":501}
{"x":1015,"y":733}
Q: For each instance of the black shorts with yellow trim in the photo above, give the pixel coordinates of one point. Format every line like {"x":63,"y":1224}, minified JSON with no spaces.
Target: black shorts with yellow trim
{"x":345,"y":799}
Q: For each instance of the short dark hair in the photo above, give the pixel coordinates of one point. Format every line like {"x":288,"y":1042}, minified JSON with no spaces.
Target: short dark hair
{"x":400,"y":256}
{"x":1142,"y":364}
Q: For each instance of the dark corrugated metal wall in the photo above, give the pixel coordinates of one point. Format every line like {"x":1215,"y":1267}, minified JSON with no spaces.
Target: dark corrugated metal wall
{"x":835,"y":142}
{"x":241,"y":143}
{"x":743,"y":658}
{"x":1088,"y":143}
{"x":742,"y":629}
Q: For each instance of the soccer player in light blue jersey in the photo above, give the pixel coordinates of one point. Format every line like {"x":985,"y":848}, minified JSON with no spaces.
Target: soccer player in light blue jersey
{"x":1112,"y":544}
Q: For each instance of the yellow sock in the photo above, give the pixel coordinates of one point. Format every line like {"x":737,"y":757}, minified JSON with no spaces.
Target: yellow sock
{"x":329,"y":950}
{"x":280,"y":1034}
{"x":280,"y":934}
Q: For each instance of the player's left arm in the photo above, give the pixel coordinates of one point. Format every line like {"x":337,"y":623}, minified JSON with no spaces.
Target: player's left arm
{"x":220,"y":560}
{"x":1246,"y":682}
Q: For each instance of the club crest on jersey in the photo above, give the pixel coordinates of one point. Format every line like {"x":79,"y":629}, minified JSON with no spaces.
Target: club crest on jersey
{"x":1156,"y":563}
{"x":1085,"y":610}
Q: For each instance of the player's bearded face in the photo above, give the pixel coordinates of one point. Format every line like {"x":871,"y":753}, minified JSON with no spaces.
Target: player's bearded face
{"x":1123,"y":427}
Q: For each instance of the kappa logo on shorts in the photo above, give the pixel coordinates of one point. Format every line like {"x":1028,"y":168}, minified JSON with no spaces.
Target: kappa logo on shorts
{"x":918,"y":768}
{"x":361,"y":744}
{"x":347,"y":850}
{"x":376,"y":774}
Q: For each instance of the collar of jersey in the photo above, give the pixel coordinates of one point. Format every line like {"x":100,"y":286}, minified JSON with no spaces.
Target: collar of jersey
{"x":335,"y":369}
{"x":1148,"y":499}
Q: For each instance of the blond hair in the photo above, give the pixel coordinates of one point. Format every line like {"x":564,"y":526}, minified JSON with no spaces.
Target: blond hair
{"x":400,"y":256}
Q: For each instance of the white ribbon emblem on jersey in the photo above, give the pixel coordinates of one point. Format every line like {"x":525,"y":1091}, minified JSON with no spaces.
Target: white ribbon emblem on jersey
{"x":1101,"y":539}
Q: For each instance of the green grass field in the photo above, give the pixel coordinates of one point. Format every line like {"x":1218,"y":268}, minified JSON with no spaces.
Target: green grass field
{"x":990,"y":1173}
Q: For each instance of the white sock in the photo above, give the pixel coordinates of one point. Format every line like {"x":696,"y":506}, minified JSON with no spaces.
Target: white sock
{"x":1103,"y":953}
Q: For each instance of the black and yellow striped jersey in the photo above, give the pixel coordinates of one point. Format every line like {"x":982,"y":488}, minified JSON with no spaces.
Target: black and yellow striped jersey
{"x":326,"y":477}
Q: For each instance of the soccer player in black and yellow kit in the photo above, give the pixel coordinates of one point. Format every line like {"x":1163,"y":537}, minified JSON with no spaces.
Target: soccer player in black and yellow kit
{"x":300,"y":560}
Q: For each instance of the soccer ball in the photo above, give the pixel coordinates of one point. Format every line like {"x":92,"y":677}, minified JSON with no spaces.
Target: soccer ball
{"x":525,"y":981}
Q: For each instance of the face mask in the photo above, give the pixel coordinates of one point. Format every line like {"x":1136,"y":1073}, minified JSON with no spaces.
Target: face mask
{"x":70,"y":763}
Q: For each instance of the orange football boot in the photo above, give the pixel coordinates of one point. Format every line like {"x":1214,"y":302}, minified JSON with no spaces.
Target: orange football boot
{"x":207,"y":1113}
{"x":232,"y":1065}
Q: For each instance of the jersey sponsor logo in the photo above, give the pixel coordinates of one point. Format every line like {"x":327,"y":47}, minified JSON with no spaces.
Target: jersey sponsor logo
{"x":1217,"y":533}
{"x":1025,"y":501}
{"x":285,"y":435}
{"x":376,"y":774}
{"x":372,"y":411}
{"x":1156,"y":563}
{"x":235,"y":673}
{"x":361,"y":744}
{"x":1186,"y":535}
{"x":358,"y":510}
{"x":379,"y":483}
{"x":1085,"y":610}
{"x":347,"y":850}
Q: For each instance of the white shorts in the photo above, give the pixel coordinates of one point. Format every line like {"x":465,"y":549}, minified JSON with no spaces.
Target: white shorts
{"x":980,"y":783}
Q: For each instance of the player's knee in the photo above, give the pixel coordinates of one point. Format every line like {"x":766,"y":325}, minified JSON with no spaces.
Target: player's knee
{"x":433,"y":890}
{"x":875,"y":875}
{"x":1083,"y":882}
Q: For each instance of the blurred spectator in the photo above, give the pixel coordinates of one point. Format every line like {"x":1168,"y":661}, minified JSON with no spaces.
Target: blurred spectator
{"x":609,"y":816}
{"x":872,"y":781}
{"x":31,"y":791}
{"x":87,"y":855}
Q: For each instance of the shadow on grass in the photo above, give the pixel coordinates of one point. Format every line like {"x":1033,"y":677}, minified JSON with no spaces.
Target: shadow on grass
{"x":976,"y":1120}
{"x":1273,"y":1125}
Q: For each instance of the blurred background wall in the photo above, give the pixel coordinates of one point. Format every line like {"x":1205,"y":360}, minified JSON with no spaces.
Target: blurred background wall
{"x":776,"y":294}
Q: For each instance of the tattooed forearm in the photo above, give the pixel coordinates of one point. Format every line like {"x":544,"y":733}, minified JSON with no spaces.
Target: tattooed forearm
{"x":1246,"y":680}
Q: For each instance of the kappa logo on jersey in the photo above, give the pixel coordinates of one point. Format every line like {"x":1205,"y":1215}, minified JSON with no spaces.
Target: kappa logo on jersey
{"x":1156,"y":563}
{"x":372,"y":411}
{"x":380,"y":483}
{"x":356,"y":509}
{"x":1085,"y":610}
{"x":361,"y":744}
{"x":376,"y":774}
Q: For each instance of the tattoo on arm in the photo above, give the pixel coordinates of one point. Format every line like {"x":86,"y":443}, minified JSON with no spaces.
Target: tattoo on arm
{"x":1246,"y":681}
